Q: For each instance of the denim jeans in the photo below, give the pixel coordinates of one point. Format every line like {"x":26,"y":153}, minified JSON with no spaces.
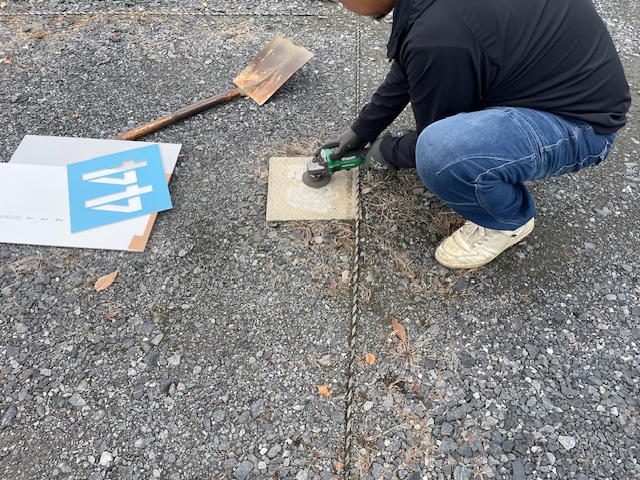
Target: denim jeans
{"x":477,"y":162}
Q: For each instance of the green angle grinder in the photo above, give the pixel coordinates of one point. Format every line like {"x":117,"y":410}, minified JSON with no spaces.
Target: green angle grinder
{"x":322,"y":166}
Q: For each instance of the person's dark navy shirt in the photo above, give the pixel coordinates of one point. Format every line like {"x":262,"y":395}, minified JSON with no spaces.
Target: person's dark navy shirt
{"x":453,"y":56}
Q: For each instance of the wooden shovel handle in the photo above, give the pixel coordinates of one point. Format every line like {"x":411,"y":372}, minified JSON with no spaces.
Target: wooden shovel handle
{"x":184,"y":112}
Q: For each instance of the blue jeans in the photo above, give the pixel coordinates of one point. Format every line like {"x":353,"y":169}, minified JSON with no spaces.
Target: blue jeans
{"x":477,"y":162}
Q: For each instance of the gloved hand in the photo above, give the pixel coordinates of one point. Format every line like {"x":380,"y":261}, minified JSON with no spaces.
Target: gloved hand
{"x":346,"y":141}
{"x":375,"y":160}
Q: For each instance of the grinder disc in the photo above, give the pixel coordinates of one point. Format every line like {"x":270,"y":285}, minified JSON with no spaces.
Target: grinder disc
{"x":315,"y":181}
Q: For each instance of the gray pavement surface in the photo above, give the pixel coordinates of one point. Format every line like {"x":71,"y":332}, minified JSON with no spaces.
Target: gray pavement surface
{"x":203,"y":359}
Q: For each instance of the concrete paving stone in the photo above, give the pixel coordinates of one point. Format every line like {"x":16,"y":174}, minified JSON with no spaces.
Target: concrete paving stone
{"x":290,"y":199}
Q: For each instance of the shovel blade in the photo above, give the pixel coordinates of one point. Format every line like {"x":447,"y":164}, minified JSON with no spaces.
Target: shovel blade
{"x":271,"y":67}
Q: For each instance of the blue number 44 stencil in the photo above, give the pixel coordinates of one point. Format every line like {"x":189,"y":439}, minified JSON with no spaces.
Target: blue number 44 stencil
{"x":117,"y":187}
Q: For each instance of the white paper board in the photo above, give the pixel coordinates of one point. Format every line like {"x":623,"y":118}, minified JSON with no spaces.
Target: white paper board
{"x":33,"y":188}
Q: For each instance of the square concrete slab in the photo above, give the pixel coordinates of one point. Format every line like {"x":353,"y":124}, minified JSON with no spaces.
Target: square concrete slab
{"x":290,"y":199}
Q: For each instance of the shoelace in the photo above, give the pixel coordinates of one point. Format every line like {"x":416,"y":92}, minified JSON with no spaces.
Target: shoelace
{"x":469,"y":229}
{"x":473,"y":234}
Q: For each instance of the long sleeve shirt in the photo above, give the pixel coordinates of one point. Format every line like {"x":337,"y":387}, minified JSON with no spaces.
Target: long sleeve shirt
{"x":453,"y":56}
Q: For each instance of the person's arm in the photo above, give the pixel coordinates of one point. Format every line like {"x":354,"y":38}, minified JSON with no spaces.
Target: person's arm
{"x":385,"y":105}
{"x":443,"y":82}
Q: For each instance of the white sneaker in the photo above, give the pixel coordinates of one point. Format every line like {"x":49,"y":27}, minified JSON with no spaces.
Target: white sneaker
{"x":472,"y":246}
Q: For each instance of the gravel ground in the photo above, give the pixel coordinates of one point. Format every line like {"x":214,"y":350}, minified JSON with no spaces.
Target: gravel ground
{"x":204,"y":357}
{"x":276,"y":8}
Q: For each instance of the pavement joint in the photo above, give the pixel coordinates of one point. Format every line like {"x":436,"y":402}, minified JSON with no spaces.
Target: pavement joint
{"x":354,"y":312}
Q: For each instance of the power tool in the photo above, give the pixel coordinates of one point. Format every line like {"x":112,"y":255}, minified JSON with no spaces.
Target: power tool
{"x":322,"y":166}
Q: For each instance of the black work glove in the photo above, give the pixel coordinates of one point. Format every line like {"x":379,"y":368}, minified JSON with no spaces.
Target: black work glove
{"x":346,"y":142}
{"x":375,"y":160}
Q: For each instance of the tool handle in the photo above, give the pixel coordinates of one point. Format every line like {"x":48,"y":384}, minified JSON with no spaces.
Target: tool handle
{"x":184,"y":112}
{"x":352,"y":159}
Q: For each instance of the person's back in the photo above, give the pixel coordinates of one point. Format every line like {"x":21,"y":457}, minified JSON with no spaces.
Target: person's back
{"x":551,"y":55}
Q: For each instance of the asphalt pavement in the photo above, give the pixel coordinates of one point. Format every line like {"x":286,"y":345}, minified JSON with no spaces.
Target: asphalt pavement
{"x":237,"y":348}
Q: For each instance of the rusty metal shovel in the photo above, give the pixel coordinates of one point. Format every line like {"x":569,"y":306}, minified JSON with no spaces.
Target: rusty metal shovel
{"x":268,"y":70}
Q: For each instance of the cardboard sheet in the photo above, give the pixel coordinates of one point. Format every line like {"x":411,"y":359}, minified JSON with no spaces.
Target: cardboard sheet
{"x":34,"y":195}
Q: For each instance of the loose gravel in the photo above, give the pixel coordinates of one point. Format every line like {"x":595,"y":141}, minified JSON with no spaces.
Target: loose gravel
{"x":203,"y":359}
